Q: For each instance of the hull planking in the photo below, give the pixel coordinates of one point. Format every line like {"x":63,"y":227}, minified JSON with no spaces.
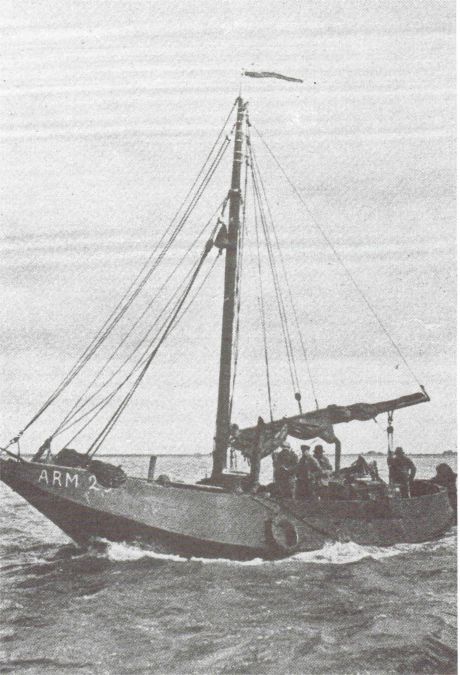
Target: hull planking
{"x":201,"y":521}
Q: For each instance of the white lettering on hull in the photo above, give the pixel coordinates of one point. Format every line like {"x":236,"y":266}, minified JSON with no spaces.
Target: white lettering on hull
{"x":71,"y":480}
{"x":93,"y":483}
{"x":59,"y":478}
{"x":66,"y":479}
{"x":44,"y":477}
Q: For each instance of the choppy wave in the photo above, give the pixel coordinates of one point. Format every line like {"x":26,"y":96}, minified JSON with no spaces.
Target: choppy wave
{"x":332,"y":553}
{"x":344,"y":608}
{"x":123,"y":552}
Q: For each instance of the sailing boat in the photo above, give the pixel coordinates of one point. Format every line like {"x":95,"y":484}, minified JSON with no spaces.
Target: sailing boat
{"x":229,"y":514}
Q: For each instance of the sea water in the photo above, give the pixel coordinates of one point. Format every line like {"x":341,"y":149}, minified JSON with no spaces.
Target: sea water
{"x":122,"y":609}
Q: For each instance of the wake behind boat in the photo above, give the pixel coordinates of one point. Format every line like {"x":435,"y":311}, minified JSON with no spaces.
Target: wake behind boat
{"x":230,"y":514}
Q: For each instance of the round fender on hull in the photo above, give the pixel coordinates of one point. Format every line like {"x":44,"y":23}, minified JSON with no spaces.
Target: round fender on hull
{"x":163,"y":480}
{"x":281,"y":534}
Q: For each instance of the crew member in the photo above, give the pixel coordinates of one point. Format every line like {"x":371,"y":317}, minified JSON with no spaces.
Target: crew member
{"x":446,"y":477}
{"x":308,"y":473}
{"x":285,"y":470}
{"x":401,"y":471}
{"x":321,"y":458}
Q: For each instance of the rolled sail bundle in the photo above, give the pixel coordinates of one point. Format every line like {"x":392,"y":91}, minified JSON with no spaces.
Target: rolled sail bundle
{"x":318,"y":423}
{"x":73,"y":458}
{"x":107,"y":475}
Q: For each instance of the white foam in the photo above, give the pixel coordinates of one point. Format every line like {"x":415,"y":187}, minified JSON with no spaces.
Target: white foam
{"x":343,"y":553}
{"x":122,"y":552}
{"x":332,"y":553}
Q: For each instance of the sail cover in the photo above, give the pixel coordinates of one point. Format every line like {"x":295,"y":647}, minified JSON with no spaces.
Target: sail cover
{"x":319,"y":423}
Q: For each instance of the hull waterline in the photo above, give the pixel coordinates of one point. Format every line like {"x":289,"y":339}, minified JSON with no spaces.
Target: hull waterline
{"x":200,"y":521}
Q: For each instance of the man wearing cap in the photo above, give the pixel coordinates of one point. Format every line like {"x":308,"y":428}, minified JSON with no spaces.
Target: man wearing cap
{"x":308,"y":473}
{"x":285,"y":470}
{"x":401,"y":471}
{"x":321,"y":458}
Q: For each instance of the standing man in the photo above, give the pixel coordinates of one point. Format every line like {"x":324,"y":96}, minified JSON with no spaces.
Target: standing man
{"x":308,"y":473}
{"x":401,"y":471}
{"x":446,"y":477}
{"x":285,"y":470}
{"x":321,"y":458}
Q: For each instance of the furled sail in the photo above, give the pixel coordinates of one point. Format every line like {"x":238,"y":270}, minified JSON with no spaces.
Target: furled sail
{"x":319,"y":423}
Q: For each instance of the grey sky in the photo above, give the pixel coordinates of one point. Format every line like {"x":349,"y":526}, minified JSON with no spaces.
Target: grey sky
{"x":107,"y":111}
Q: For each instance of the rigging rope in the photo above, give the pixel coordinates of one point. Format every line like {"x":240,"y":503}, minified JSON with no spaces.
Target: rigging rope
{"x":112,"y":421}
{"x":77,"y":407}
{"x":279,"y":298}
{"x":139,"y":363}
{"x":257,"y":264}
{"x":104,"y":402}
{"x":128,"y":299}
{"x":341,"y":262}
{"x":288,"y":286}
{"x":262,"y":319}
{"x":194,"y":297}
{"x":297,"y":394}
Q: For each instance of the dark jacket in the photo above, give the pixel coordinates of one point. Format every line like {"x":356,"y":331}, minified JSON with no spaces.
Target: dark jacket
{"x":308,"y":468}
{"x":324,"y":463}
{"x":401,"y":468}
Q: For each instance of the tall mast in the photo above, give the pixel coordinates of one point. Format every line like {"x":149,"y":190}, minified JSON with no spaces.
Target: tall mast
{"x":231,"y":259}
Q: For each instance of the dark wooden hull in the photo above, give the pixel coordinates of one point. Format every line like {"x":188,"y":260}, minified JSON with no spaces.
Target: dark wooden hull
{"x":200,"y":521}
